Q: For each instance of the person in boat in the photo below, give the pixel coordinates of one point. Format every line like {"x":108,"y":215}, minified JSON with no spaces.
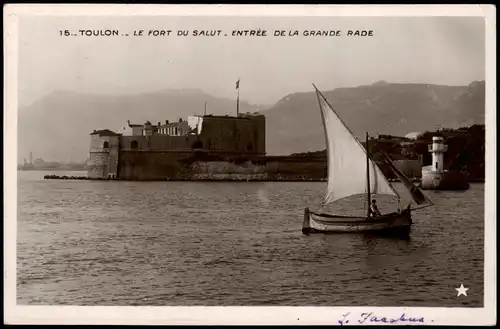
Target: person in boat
{"x":374,"y":209}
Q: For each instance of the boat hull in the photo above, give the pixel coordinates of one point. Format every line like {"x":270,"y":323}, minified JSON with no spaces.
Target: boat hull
{"x":394,"y":223}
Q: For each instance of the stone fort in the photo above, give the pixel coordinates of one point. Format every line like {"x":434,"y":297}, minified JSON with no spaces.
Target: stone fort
{"x":201,"y":147}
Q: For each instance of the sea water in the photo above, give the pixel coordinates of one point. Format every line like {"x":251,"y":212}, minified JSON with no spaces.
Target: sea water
{"x":236,"y":243}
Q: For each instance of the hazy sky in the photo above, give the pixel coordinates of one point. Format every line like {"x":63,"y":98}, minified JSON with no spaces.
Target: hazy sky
{"x":435,"y":50}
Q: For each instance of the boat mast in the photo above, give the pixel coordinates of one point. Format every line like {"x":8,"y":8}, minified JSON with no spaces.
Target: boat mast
{"x":368,"y":173}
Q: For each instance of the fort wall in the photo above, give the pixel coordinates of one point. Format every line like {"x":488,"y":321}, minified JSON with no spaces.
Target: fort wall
{"x":98,"y":164}
{"x":186,"y":165}
{"x":183,"y":165}
{"x":157,"y":143}
{"x":223,"y":170}
{"x":245,"y":134}
{"x":149,"y":165}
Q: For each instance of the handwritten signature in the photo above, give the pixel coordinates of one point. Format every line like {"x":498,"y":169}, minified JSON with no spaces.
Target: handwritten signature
{"x":371,"y":317}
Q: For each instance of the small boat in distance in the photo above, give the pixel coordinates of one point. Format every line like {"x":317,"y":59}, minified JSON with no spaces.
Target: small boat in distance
{"x":351,"y":172}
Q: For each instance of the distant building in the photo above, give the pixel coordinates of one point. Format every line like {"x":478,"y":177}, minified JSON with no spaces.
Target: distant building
{"x":179,"y":128}
{"x":413,"y":135}
{"x":134,"y":129}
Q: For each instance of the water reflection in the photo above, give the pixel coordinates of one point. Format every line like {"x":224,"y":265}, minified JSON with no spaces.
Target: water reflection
{"x":401,"y":239}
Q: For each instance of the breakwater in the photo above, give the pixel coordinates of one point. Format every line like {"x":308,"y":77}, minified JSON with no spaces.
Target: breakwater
{"x":227,"y":179}
{"x":186,"y":178}
{"x":64,"y":177}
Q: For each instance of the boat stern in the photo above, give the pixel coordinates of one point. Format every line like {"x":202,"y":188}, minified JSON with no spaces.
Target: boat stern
{"x":407,"y":213}
{"x":306,"y":228}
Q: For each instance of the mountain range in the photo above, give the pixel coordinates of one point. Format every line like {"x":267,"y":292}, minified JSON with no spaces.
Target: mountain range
{"x":294,"y":123}
{"x":57,"y":127}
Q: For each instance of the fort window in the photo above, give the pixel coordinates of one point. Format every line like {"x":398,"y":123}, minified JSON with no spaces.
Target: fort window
{"x":176,"y":131}
{"x":134,"y":145}
{"x":105,"y":145}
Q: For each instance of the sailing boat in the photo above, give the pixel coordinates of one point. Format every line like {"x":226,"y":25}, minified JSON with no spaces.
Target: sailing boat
{"x":351,"y":172}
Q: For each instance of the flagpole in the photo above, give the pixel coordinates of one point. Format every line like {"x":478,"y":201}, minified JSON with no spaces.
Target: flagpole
{"x":238,"y":98}
{"x":238,"y":103}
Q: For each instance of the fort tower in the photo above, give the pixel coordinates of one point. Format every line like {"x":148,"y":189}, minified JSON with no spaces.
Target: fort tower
{"x":104,"y":151}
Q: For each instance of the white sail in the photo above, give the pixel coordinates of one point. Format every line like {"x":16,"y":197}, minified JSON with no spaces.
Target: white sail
{"x":347,"y":160}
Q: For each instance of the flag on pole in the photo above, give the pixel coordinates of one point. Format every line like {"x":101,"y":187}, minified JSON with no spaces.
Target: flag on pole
{"x":238,"y":84}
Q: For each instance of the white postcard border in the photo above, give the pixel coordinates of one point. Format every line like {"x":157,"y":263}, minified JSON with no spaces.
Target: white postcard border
{"x":15,"y":314}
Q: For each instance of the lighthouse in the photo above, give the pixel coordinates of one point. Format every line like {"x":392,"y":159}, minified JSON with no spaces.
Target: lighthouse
{"x":435,"y":177}
{"x":438,"y":148}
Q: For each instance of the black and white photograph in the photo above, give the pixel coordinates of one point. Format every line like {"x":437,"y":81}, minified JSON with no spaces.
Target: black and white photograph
{"x":250,"y":164}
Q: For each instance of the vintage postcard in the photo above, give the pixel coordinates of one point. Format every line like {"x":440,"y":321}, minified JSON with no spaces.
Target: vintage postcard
{"x":250,"y":164}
